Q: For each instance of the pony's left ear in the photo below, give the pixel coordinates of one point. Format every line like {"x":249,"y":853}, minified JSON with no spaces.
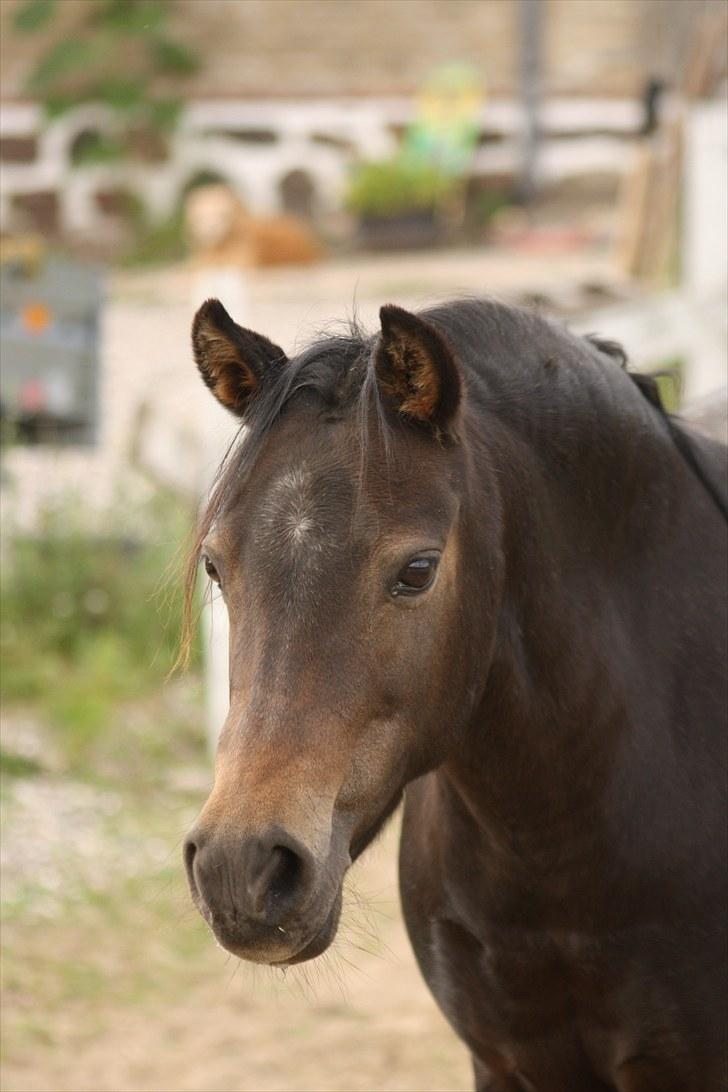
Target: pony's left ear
{"x":416,"y":370}
{"x":233,"y":361}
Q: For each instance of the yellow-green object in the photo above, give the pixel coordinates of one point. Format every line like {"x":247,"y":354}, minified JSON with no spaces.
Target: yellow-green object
{"x":445,"y":130}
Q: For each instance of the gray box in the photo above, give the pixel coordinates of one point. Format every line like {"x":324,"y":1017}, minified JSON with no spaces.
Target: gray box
{"x":49,"y":351}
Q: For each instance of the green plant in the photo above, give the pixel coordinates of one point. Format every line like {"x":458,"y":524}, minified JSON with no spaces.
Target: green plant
{"x":12,"y":765}
{"x":86,"y":618}
{"x":487,"y":204}
{"x":157,"y":242}
{"x":395,"y":186}
{"x":115,"y":52}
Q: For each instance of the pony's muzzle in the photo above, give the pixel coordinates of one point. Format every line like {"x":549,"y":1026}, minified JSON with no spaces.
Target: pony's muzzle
{"x":251,"y":889}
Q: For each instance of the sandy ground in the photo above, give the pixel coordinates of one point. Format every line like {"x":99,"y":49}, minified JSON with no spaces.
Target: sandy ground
{"x":111,"y":981}
{"x":360,"y":1019}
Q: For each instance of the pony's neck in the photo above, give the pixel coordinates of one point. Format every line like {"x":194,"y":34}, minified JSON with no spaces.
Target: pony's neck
{"x":552,"y":725}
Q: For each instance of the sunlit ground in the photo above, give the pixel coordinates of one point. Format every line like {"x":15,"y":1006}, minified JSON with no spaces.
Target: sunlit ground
{"x":112,"y":982}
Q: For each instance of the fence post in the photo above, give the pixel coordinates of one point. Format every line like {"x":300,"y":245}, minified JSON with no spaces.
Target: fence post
{"x":531,"y":15}
{"x":229,"y":285}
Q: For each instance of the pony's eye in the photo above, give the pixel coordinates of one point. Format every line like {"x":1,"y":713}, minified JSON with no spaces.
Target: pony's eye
{"x":211,"y":570}
{"x":417,"y":575}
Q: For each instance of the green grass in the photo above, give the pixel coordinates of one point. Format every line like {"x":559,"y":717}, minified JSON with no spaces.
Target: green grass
{"x":13,"y":765}
{"x":90,"y":619}
{"x":70,"y":962}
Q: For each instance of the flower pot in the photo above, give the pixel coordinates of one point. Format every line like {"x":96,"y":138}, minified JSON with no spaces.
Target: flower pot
{"x":404,"y":231}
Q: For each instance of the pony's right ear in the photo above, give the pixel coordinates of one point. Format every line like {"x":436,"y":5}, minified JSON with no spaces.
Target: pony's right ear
{"x":232,"y":361}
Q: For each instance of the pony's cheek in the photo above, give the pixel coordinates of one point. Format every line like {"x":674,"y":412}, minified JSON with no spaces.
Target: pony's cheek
{"x":375,"y":767}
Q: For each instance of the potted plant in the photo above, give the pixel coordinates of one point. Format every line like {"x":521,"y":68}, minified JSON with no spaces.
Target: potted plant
{"x":397,"y":202}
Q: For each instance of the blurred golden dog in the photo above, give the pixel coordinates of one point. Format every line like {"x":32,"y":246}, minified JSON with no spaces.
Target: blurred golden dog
{"x":221,"y":232}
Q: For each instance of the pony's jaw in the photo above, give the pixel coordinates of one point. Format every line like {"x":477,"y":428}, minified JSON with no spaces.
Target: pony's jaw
{"x":321,"y":940}
{"x":274,"y":945}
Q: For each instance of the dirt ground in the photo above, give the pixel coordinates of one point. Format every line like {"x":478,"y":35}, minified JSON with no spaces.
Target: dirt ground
{"x":112,"y":983}
{"x":362,"y":1020}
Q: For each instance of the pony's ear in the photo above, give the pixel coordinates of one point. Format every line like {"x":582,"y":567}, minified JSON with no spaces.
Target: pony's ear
{"x":232,"y":361}
{"x":416,"y":370}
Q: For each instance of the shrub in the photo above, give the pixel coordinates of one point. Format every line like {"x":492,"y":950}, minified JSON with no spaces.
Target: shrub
{"x":90,"y":618}
{"x":396,"y":186}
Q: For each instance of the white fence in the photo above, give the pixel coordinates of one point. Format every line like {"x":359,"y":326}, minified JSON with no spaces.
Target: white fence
{"x":257,"y":146}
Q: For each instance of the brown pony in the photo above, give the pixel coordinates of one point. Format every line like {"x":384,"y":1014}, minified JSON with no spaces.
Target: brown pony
{"x":468,"y":561}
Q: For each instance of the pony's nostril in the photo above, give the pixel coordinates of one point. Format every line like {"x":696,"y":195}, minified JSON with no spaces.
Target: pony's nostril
{"x":256,"y":881}
{"x":190,"y":849}
{"x":275,"y":879}
{"x":286,"y":874}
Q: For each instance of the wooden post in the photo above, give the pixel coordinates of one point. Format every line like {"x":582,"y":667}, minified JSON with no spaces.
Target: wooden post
{"x":531,"y":18}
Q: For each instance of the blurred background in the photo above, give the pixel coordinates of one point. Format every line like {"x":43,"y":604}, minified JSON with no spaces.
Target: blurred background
{"x":301,"y":159}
